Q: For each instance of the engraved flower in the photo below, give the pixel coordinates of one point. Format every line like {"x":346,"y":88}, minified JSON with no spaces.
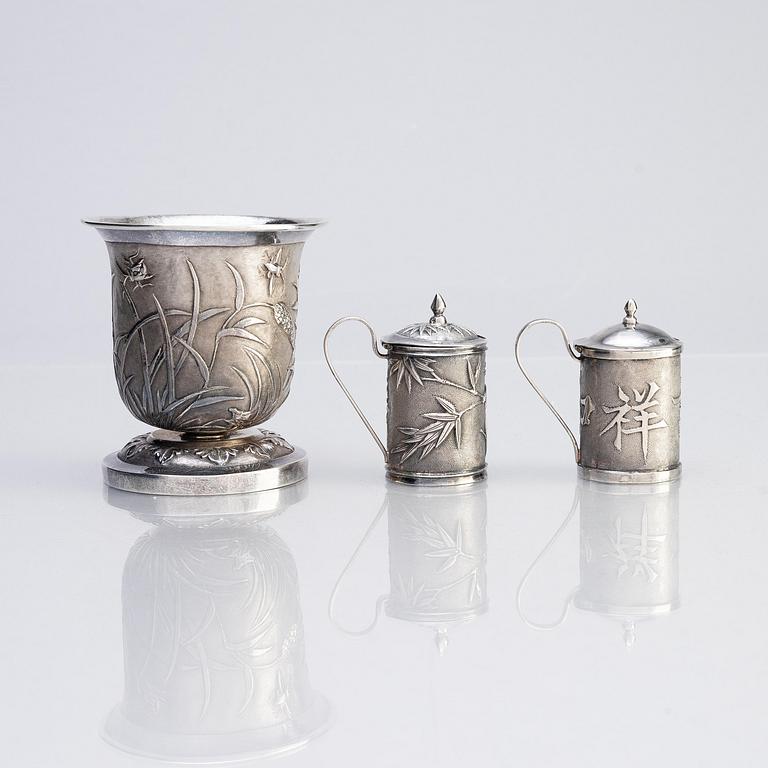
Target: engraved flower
{"x":284,"y":319}
{"x":136,"y":445}
{"x":134,"y":270}
{"x":164,"y":455}
{"x":261,"y":450}
{"x":218,"y":456}
{"x":407,"y":369}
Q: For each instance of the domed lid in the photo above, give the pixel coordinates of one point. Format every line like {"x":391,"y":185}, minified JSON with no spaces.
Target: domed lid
{"x":436,"y":334}
{"x":629,"y":340}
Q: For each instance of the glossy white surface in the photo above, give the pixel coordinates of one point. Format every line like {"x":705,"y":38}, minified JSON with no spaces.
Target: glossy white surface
{"x":689,"y":691}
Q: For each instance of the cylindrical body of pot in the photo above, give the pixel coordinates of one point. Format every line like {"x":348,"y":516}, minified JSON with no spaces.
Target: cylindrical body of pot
{"x":436,"y":415}
{"x":630,"y":417}
{"x":437,"y":554}
{"x":204,"y":318}
{"x":629,"y":549}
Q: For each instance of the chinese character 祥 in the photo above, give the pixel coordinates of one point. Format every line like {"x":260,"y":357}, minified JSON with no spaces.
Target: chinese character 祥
{"x":641,"y":415}
{"x":637,"y":551}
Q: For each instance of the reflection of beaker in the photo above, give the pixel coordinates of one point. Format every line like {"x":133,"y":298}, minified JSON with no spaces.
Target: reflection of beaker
{"x":437,"y":558}
{"x":628,"y":562}
{"x":214,"y":657}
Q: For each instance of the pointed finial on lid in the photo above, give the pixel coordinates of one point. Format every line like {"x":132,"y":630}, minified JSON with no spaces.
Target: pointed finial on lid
{"x":438,"y":307}
{"x":630,"y":308}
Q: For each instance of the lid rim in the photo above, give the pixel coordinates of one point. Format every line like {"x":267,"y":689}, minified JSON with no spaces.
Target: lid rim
{"x":403,"y":347}
{"x":628,"y":353}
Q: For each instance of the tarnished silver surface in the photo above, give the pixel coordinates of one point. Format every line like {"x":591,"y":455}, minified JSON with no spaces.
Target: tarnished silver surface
{"x":436,"y":399}
{"x":233,"y":509}
{"x":630,"y":397}
{"x":635,"y":424}
{"x":628,"y":555}
{"x":214,"y":649}
{"x":262,"y":475}
{"x":204,"y":331}
{"x":437,"y":559}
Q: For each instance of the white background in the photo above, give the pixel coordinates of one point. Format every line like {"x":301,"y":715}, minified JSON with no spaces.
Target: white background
{"x":525,"y":158}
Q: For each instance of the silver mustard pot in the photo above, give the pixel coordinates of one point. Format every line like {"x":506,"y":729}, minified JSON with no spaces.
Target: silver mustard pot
{"x":435,"y":400}
{"x":629,"y":401}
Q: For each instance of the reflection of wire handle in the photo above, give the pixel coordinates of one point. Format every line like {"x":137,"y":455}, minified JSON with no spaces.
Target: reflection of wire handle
{"x":547,"y":402}
{"x":524,"y":580}
{"x":379,"y":601}
{"x":377,"y":352}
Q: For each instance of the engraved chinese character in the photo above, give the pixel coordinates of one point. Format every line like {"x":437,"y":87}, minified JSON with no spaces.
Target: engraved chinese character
{"x":640,"y":412}
{"x":636,"y":551}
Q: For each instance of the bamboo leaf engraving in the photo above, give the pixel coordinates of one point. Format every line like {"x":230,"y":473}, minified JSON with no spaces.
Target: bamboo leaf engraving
{"x":406,"y":369}
{"x":418,"y":442}
{"x":447,"y":404}
{"x":429,"y":437}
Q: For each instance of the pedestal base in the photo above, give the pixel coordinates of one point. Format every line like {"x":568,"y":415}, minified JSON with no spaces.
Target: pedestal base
{"x":169,"y":464}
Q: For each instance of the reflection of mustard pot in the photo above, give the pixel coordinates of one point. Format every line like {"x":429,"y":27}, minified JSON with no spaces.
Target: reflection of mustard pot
{"x":628,"y":562}
{"x":629,"y":399}
{"x":629,"y":551}
{"x":435,"y":400}
{"x":214,"y":646}
{"x":437,"y":559}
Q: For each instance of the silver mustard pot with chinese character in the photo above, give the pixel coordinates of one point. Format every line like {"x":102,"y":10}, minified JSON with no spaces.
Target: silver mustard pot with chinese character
{"x":435,"y":400}
{"x":629,"y":401}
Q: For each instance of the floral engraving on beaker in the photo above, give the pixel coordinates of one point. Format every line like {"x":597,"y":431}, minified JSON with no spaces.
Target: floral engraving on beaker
{"x":167,"y":360}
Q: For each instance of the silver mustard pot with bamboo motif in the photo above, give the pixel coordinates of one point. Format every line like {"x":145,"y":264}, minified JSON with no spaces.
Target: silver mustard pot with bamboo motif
{"x":629,"y":400}
{"x":435,"y":400}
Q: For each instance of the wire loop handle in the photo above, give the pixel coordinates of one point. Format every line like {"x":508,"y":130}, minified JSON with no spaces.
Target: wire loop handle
{"x":574,"y":355}
{"x":569,"y":600}
{"x":380,"y":601}
{"x":377,"y":352}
